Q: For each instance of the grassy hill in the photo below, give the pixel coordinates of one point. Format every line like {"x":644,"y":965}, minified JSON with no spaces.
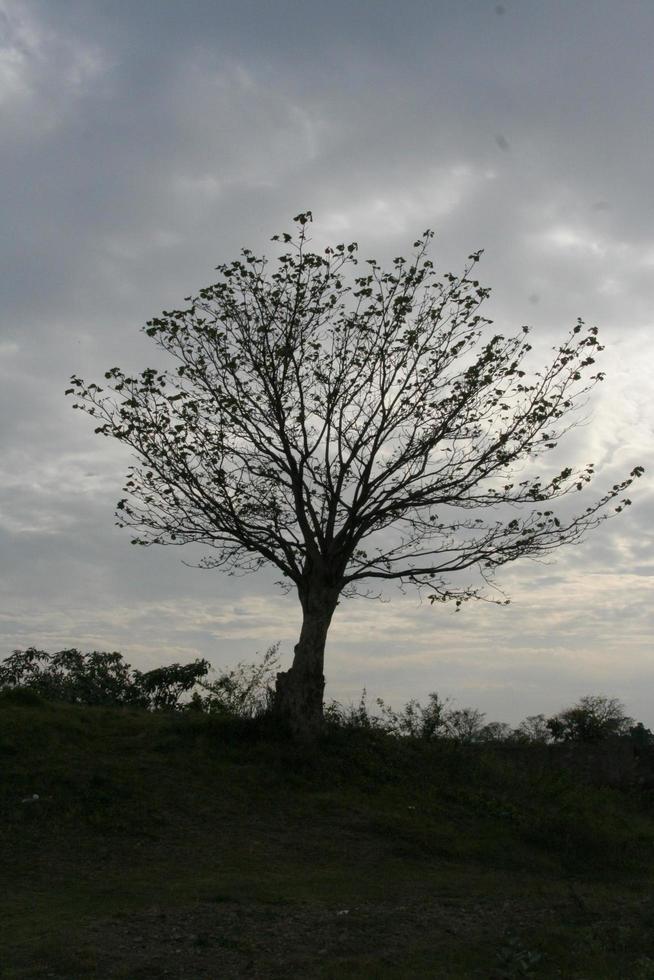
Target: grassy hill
{"x":179,"y":845}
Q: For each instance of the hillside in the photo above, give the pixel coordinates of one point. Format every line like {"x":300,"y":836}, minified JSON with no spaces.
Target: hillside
{"x":178,"y":845}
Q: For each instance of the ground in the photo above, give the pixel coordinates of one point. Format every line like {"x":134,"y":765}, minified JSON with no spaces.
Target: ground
{"x":165,"y":847}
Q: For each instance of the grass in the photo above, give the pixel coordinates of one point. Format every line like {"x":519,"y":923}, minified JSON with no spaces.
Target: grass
{"x":180,"y":845}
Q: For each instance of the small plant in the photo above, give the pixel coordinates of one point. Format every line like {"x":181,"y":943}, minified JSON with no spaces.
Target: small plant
{"x":427,"y":723}
{"x":434,"y":720}
{"x":354,"y":716}
{"x":244,"y":691}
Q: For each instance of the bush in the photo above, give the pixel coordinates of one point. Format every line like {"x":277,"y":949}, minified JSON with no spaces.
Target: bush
{"x":21,"y":696}
{"x":244,"y":691}
{"x":70,"y":676}
{"x":96,"y":679}
{"x":163,"y":686}
{"x":412,"y":721}
{"x":433,"y":721}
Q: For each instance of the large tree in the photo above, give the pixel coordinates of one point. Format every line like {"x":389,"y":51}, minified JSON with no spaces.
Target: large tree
{"x":347,"y":432}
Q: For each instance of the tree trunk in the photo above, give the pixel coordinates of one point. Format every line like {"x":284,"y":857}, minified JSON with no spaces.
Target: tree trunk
{"x":298,"y":701}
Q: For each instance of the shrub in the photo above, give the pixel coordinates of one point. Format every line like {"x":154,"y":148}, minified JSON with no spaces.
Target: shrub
{"x":353,"y":716}
{"x":164,"y":686}
{"x":21,"y":696}
{"x":414,"y":720}
{"x":435,"y":720}
{"x":244,"y":691}
{"x":70,"y":676}
{"x":97,"y":678}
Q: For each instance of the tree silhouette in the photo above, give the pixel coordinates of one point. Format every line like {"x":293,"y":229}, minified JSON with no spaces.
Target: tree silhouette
{"x":347,"y":433}
{"x":593,"y":718}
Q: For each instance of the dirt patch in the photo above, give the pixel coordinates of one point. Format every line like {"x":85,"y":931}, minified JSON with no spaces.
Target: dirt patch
{"x":229,"y":940}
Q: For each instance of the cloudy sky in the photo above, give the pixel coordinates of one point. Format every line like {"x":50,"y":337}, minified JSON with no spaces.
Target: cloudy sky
{"x":144,"y":142}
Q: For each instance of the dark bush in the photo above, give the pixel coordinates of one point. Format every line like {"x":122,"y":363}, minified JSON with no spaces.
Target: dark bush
{"x":96,"y":679}
{"x":21,"y":696}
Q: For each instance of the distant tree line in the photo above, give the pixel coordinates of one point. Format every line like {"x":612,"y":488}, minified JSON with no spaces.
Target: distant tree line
{"x":246,"y":691}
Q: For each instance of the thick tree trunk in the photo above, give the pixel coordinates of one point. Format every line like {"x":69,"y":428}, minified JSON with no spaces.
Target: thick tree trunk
{"x":299,"y":691}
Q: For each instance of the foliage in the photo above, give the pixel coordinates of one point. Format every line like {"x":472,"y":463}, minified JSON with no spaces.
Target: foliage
{"x":641,"y":737}
{"x":244,"y":691}
{"x":496,"y":731}
{"x":533,"y":729}
{"x":435,"y":720}
{"x":413,"y":720}
{"x":164,"y":686}
{"x":79,"y":678}
{"x":98,"y":678}
{"x":592,"y":719}
{"x":465,"y":725}
{"x":21,"y":696}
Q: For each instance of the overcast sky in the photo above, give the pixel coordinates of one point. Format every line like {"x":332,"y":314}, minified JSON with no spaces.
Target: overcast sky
{"x":143,"y":142}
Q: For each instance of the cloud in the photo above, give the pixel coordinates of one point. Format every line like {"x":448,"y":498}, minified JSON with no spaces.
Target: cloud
{"x":43,"y":72}
{"x":385,"y":212}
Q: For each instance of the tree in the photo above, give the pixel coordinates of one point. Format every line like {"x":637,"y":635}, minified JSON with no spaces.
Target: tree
{"x":641,"y":737}
{"x":496,"y":731}
{"x":533,"y":728}
{"x":592,"y":719}
{"x":347,"y":432}
{"x":465,"y":725}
